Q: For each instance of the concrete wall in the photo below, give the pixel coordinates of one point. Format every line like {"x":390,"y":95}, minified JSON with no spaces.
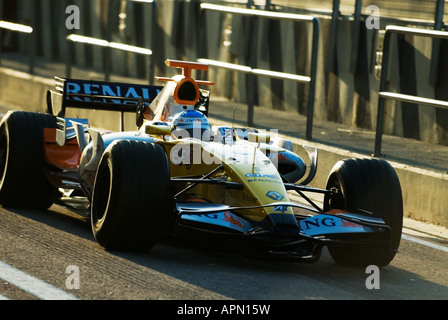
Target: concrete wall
{"x":426,"y":203}
{"x":182,"y":31}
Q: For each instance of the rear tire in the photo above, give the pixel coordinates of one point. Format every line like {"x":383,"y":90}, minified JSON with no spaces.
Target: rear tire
{"x":131,"y":197}
{"x":370,"y":185}
{"x":23,"y":183}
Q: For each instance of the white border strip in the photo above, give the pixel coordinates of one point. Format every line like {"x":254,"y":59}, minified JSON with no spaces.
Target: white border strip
{"x":425,"y":243}
{"x":31,"y":285}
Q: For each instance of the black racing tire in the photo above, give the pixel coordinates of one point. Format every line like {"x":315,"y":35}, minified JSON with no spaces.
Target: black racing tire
{"x":367,"y":185}
{"x":131,"y":199}
{"x":23,"y":183}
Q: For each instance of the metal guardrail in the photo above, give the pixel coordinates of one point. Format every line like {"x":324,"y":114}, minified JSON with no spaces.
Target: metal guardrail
{"x":74,"y":38}
{"x":253,"y":71}
{"x":383,"y":94}
{"x":24,"y":29}
{"x":107,"y":44}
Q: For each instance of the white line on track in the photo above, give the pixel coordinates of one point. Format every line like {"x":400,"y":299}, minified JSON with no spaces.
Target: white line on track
{"x":424,"y":242}
{"x":32,"y":285}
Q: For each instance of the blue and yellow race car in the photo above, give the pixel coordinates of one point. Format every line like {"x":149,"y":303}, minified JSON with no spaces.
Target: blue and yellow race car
{"x":177,"y":173}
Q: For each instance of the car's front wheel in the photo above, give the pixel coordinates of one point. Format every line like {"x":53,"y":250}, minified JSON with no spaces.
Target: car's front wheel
{"x":131,"y":197}
{"x":367,"y":185}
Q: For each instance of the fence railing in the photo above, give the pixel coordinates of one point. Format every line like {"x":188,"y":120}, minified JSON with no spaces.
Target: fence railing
{"x":253,"y":71}
{"x":107,"y":44}
{"x":23,"y":29}
{"x":74,"y":38}
{"x":383,"y":94}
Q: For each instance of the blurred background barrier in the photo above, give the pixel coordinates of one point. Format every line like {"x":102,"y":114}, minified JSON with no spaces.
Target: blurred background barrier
{"x":347,"y":65}
{"x":406,"y":99}
{"x":6,"y":26}
{"x":73,"y":38}
{"x":252,"y":71}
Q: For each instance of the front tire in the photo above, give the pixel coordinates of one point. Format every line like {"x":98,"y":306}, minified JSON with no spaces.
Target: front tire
{"x":367,"y":185}
{"x":131,"y":197}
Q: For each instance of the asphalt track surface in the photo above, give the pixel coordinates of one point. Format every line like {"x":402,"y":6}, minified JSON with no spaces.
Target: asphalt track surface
{"x":44,"y":247}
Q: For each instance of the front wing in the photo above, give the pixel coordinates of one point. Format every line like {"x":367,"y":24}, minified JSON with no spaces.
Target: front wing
{"x":311,"y":233}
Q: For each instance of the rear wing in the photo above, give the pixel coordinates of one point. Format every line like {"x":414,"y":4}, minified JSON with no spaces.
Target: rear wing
{"x":98,"y":95}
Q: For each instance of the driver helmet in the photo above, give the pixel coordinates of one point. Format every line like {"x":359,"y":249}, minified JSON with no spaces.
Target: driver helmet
{"x":191,"y":124}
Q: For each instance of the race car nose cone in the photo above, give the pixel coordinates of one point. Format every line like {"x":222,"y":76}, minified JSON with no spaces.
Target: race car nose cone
{"x":284,"y":223}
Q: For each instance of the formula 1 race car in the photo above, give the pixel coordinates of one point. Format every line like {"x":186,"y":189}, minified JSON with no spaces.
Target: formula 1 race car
{"x":178,"y":174}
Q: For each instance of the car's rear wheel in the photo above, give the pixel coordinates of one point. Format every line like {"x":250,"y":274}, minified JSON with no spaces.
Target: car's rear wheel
{"x":23,"y":182}
{"x":131,"y":199}
{"x":367,"y":185}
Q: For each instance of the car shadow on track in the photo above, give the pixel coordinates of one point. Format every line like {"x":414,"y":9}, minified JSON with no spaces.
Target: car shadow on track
{"x":59,"y":218}
{"x":224,"y":270}
{"x":227,"y":272}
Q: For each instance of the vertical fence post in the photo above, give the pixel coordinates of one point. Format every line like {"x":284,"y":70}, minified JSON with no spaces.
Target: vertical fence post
{"x":32,"y":48}
{"x":32,"y":40}
{"x":333,"y":35}
{"x":438,"y":24}
{"x":312,"y":84}
{"x":253,"y":38}
{"x":153,"y":42}
{"x":381,"y":100}
{"x":355,"y":37}
{"x":68,"y":57}
{"x":107,"y":54}
{"x":267,"y":5}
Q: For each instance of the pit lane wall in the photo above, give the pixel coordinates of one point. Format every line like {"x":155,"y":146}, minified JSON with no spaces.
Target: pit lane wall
{"x":346,"y":89}
{"x":424,"y":191}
